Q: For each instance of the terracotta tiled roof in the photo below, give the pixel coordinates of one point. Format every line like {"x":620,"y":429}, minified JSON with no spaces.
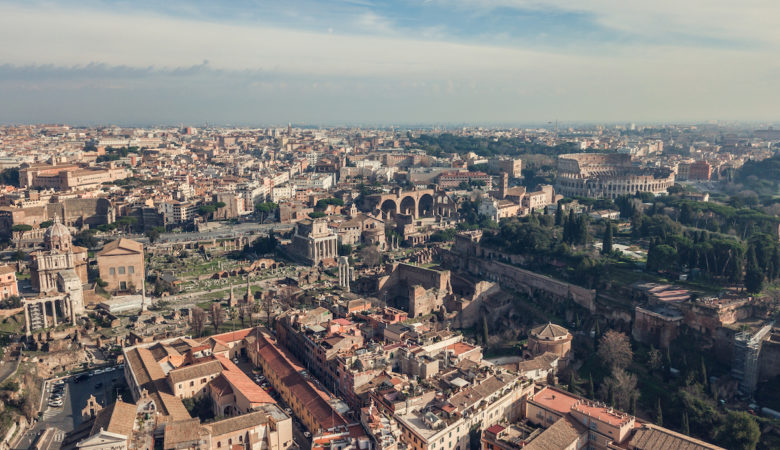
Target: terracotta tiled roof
{"x":241,"y":383}
{"x":561,"y":434}
{"x":651,"y":437}
{"x":194,"y":371}
{"x":183,"y":431}
{"x":118,"y":417}
{"x":237,"y":423}
{"x":549,"y":331}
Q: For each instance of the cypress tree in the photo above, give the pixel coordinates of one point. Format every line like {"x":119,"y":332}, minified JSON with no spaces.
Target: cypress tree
{"x":633,"y":405}
{"x":684,"y":427}
{"x":606,"y":243}
{"x":704,"y":378}
{"x":591,"y":394}
{"x":611,"y":396}
{"x":571,"y":382}
{"x":754,"y":278}
{"x":659,"y":414}
{"x":559,"y":215}
{"x":485,"y":333}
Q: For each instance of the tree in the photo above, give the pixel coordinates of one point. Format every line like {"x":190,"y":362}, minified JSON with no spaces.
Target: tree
{"x":739,"y":431}
{"x":591,"y":392}
{"x":197,"y":320}
{"x":620,"y":388}
{"x":571,"y":382}
{"x":704,"y":379}
{"x":19,"y":255}
{"x":21,"y":227}
{"x":659,"y":414}
{"x":654,"y":359}
{"x":153,"y":234}
{"x":606,"y":242}
{"x":615,"y":349}
{"x":661,"y":257}
{"x":127,"y":222}
{"x":370,"y":256}
{"x":345,"y":250}
{"x":754,"y":277}
{"x":558,"y":215}
{"x":485,"y":334}
{"x":216,"y":316}
{"x":264,"y":209}
{"x":86,"y":239}
{"x":684,"y":426}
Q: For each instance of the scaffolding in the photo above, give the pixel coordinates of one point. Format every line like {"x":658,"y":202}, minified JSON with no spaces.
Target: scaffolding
{"x":747,"y":349}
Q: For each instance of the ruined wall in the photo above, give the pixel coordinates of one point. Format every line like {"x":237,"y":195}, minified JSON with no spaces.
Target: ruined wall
{"x":424,"y":301}
{"x":654,"y":329}
{"x":707,"y":319}
{"x":769,"y":358}
{"x":530,"y":282}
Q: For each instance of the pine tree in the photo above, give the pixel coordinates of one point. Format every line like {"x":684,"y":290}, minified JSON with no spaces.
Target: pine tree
{"x":606,"y":243}
{"x":684,"y":427}
{"x":559,"y":215}
{"x":659,"y":414}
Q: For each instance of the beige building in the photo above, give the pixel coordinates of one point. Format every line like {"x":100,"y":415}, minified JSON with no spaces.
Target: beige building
{"x":59,"y":255}
{"x":8,"y":285}
{"x":314,"y":241}
{"x":121,"y":265}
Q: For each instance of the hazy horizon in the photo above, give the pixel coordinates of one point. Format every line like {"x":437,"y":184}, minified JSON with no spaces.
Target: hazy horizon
{"x":437,"y":62}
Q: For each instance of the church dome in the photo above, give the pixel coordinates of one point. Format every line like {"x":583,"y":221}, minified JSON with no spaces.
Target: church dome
{"x":57,"y":237}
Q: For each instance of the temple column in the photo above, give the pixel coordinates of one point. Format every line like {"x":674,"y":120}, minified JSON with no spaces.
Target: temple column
{"x":26,"y":320}
{"x":43,"y":308}
{"x":73,"y":313}
{"x":54,"y":312}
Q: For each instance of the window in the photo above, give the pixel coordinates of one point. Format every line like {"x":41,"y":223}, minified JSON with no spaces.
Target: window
{"x":112,"y":271}
{"x":130,"y":269}
{"x":123,"y":285}
{"x":121,"y":270}
{"x":219,"y":444}
{"x":192,"y":383}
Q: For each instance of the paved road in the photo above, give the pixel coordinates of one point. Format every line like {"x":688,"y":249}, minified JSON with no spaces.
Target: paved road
{"x":224,"y":232}
{"x":298,"y":429}
{"x":68,"y":416}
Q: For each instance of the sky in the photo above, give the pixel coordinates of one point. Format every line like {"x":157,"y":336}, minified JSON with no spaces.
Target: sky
{"x":394,"y":62}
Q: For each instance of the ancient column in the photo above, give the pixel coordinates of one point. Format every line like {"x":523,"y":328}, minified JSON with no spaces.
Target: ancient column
{"x":26,"y":320}
{"x":43,"y":308}
{"x":54,"y":312}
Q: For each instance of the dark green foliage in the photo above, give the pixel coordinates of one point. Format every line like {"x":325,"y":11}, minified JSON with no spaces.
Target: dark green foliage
{"x":659,"y":414}
{"x":21,"y":227}
{"x":443,"y":235}
{"x":440,"y":144}
{"x":606,"y":246}
{"x":10,"y":177}
{"x":324,"y":203}
{"x":739,"y":431}
{"x":345,"y":250}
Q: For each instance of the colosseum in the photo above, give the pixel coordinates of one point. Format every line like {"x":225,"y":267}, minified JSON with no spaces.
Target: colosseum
{"x":608,"y":175}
